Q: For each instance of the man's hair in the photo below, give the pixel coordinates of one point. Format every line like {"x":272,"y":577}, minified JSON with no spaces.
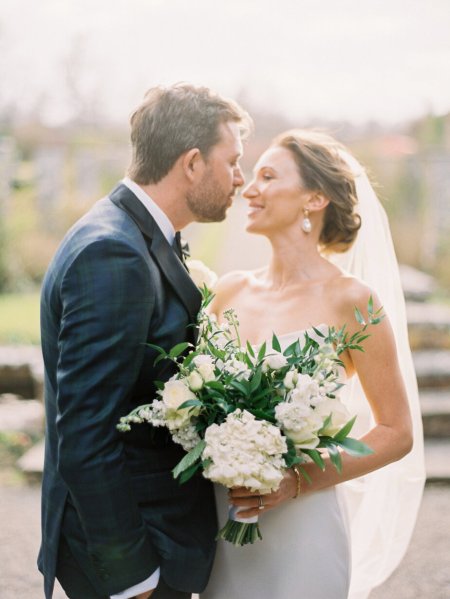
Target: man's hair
{"x":171,"y":121}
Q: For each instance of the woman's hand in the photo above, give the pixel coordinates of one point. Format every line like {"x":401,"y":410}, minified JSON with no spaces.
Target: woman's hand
{"x":244,"y":498}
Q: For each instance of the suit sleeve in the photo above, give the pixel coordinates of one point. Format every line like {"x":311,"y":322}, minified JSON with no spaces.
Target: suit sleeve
{"x":107,"y":302}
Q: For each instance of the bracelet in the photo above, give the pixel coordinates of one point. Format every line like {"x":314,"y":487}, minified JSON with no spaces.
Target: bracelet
{"x":297,"y":474}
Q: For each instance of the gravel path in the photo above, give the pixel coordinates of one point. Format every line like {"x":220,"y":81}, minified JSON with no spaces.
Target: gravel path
{"x":424,"y":574}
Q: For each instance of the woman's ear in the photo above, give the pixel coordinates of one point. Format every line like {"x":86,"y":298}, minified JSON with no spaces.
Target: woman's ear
{"x":317,"y":201}
{"x":193,"y":164}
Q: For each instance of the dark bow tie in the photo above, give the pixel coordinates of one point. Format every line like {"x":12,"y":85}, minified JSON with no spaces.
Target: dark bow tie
{"x":181,"y":247}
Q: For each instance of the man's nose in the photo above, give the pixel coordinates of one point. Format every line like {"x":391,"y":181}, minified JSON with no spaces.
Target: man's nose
{"x":239,"y":179}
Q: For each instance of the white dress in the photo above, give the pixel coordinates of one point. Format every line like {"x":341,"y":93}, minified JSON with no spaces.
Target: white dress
{"x":304,"y":554}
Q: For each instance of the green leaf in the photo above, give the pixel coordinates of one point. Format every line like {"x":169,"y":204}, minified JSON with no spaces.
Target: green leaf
{"x":189,"y":472}
{"x":179,"y":349}
{"x":318,"y":332}
{"x":326,"y":423}
{"x":370,"y":305}
{"x":354,"y":447}
{"x":218,"y":386}
{"x":189,"y":459}
{"x":305,"y":474}
{"x":250,"y":349}
{"x":275,"y":343}
{"x":158,"y":348}
{"x":316,"y":457}
{"x":190,"y":403}
{"x":262,"y":351}
{"x":256,"y":380}
{"x":344,"y":431}
{"x":335,"y":457}
{"x":359,"y":317}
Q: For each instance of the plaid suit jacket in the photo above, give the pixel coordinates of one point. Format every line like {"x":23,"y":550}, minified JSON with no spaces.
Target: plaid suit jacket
{"x":114,"y":285}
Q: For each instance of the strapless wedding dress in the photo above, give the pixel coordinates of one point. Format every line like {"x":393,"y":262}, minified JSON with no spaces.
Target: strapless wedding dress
{"x":304,"y":554}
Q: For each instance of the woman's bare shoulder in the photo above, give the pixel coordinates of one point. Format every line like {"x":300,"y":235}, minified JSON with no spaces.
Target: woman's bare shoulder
{"x":349,"y":292}
{"x":231,"y":284}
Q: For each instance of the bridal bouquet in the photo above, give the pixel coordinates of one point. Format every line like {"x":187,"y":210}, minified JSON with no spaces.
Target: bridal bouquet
{"x":244,"y":414}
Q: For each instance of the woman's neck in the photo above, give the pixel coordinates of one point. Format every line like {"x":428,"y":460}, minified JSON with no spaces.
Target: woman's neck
{"x":295,"y":259}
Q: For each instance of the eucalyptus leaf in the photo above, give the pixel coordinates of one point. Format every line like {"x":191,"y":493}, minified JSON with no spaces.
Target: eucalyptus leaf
{"x":345,"y":430}
{"x":189,"y":459}
{"x":275,"y":343}
{"x":354,"y":447}
{"x":335,"y":457}
{"x":262,"y":352}
{"x":178,"y":349}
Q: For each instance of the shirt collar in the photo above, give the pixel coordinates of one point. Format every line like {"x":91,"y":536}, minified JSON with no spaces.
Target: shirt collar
{"x":161,"y":218}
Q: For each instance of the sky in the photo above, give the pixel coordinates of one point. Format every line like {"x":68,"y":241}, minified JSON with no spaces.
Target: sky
{"x":354,"y":60}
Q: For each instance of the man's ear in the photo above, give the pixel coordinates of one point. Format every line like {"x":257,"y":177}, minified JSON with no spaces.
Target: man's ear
{"x":193,"y":164}
{"x":317,"y":201}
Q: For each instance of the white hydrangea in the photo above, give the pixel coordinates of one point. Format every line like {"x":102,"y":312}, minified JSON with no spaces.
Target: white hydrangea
{"x":186,"y":436}
{"x":236,"y":367}
{"x":306,"y":388}
{"x":244,"y":451}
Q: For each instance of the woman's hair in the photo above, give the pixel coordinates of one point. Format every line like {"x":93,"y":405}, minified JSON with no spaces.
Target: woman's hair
{"x":322,"y":169}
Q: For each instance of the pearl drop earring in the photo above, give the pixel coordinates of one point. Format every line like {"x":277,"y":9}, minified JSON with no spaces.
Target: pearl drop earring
{"x":306,"y":223}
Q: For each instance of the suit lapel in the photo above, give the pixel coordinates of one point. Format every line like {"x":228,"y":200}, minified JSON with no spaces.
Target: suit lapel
{"x":169,"y":263}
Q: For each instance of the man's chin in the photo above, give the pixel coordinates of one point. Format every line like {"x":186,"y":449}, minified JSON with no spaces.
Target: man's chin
{"x":211,"y":218}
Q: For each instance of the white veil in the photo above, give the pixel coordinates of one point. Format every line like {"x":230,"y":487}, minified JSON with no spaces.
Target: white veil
{"x":383,"y":505}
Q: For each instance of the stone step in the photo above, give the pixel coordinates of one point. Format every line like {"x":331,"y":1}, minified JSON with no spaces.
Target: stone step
{"x":432,"y":368}
{"x":21,"y":371}
{"x":32,"y":462}
{"x":435,"y":407}
{"x":437,"y":460}
{"x":22,"y":415}
{"x":417,"y":285}
{"x":428,"y":325}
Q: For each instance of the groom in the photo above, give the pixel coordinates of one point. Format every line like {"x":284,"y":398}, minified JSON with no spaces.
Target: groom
{"x":114,"y":522}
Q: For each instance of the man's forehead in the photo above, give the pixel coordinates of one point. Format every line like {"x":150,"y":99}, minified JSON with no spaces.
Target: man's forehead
{"x":230,"y":135}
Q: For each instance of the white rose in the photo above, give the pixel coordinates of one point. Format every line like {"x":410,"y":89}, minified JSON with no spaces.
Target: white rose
{"x":195,"y":381}
{"x":337,"y":410}
{"x":205,"y":367}
{"x":291,"y":378}
{"x":175,"y":393}
{"x":274,"y":361}
{"x":299,"y":422}
{"x":201,"y":274}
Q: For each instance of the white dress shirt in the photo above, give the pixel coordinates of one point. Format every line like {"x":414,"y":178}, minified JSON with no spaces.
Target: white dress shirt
{"x":161,"y":218}
{"x":166,"y":227}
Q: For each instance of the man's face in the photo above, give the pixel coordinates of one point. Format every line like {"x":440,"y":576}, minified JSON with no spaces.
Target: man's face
{"x":213,"y":195}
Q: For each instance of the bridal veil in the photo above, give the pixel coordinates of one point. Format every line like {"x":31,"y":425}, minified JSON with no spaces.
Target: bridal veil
{"x":383,"y":505}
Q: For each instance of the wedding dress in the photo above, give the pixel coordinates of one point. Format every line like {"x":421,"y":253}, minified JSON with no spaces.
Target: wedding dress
{"x":362,"y":527}
{"x":305,"y":550}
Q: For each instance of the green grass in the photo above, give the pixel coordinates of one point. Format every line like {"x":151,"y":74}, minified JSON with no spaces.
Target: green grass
{"x":19,"y":318}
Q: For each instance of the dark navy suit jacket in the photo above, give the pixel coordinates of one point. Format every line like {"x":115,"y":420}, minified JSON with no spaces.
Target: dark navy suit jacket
{"x":114,"y":285}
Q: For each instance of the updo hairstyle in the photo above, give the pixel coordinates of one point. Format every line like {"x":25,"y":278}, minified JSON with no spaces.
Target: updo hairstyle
{"x":322,"y":169}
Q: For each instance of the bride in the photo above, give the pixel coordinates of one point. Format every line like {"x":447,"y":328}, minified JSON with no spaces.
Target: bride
{"x":309,"y":197}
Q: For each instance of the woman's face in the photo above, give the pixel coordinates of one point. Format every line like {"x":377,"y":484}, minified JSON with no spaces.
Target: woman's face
{"x":275,"y":195}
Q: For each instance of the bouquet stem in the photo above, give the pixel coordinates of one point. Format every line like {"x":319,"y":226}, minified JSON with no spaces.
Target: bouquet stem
{"x":239,"y":531}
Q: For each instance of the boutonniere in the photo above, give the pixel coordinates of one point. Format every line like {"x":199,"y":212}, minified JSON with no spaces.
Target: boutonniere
{"x":201,"y":274}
